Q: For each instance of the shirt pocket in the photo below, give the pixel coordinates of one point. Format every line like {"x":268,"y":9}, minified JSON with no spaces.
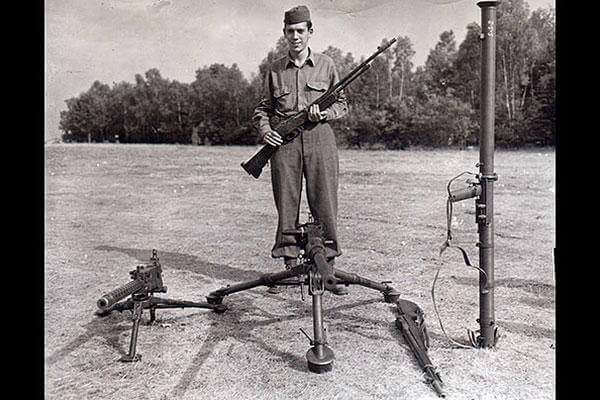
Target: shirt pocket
{"x":314,"y":89}
{"x":282,"y":98}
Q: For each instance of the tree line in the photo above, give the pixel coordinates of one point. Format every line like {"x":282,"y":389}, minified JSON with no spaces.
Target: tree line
{"x":393,"y":105}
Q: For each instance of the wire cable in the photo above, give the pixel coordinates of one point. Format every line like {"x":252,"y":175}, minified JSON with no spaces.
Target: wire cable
{"x":446,"y":245}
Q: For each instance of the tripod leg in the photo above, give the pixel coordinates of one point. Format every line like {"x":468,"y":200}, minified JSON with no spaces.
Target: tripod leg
{"x":137,"y":316}
{"x":390,"y":294}
{"x":319,"y":357}
{"x":171,"y":303}
{"x":216,"y":297}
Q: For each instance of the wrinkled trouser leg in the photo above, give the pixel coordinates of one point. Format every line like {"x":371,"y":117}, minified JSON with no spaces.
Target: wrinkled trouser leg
{"x":313,"y":154}
{"x":286,"y":179}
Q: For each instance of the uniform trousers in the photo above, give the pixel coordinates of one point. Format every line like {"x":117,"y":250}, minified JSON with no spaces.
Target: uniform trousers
{"x":311,"y":155}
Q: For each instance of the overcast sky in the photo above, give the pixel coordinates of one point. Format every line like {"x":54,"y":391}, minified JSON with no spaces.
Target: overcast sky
{"x":112,"y":40}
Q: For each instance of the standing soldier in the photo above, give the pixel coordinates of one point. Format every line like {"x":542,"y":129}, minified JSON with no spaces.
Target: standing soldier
{"x":290,"y":85}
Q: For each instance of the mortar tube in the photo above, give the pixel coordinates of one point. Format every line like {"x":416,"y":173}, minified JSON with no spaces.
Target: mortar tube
{"x":485,"y":203}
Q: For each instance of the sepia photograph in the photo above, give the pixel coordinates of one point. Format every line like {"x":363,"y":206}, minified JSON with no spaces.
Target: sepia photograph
{"x":335,"y":199}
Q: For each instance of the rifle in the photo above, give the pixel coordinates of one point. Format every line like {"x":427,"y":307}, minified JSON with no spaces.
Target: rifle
{"x":290,"y":127}
{"x":411,"y":323}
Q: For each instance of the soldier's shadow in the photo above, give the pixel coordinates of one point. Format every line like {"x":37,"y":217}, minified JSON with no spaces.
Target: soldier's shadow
{"x":188,"y":262}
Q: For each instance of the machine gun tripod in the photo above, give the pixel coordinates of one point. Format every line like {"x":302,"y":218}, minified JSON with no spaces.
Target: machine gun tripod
{"x":146,"y":280}
{"x":320,"y":275}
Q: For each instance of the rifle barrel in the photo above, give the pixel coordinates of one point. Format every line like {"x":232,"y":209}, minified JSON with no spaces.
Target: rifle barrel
{"x":329,"y":98}
{"x":359,"y":68}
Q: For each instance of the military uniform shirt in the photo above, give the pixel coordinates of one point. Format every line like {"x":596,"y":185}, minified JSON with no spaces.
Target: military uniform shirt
{"x":289,"y":89}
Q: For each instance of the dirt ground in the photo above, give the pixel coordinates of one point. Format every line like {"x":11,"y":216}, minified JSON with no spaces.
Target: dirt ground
{"x":108,"y":205}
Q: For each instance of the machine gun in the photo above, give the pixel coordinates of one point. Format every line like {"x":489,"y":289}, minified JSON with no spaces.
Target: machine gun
{"x":310,"y":238}
{"x":320,"y":275}
{"x":146,"y":280}
{"x":291,"y":127}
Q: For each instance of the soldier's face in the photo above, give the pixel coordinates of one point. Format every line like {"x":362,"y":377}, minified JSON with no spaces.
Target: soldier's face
{"x":297,"y":36}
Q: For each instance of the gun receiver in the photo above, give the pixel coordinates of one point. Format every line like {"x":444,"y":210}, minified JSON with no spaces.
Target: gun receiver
{"x":291,"y":127}
{"x":310,"y":236}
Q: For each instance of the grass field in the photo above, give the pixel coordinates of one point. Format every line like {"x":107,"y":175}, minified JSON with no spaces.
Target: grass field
{"x":107,"y":206}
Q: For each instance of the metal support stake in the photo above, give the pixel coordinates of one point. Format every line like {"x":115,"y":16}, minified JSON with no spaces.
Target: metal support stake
{"x":485,"y":203}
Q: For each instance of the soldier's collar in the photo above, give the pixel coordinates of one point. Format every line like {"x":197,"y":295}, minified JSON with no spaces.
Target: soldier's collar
{"x":309,"y":60}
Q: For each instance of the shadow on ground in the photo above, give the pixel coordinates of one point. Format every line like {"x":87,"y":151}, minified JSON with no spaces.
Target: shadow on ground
{"x":187,"y":262}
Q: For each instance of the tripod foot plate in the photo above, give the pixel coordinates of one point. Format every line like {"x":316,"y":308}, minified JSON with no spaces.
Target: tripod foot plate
{"x":320,"y":364}
{"x":214,"y":299}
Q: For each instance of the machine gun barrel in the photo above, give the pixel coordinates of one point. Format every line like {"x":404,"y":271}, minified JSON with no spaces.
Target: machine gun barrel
{"x":111,"y":298}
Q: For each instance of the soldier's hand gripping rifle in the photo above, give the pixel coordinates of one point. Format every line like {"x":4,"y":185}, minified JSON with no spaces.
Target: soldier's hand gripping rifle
{"x":291,"y":127}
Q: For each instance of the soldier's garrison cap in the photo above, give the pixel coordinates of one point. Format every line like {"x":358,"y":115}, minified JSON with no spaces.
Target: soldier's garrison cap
{"x":296,"y":15}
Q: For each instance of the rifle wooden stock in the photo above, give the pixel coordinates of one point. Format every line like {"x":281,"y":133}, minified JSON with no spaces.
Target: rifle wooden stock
{"x":288,"y":128}
{"x":257,"y":162}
